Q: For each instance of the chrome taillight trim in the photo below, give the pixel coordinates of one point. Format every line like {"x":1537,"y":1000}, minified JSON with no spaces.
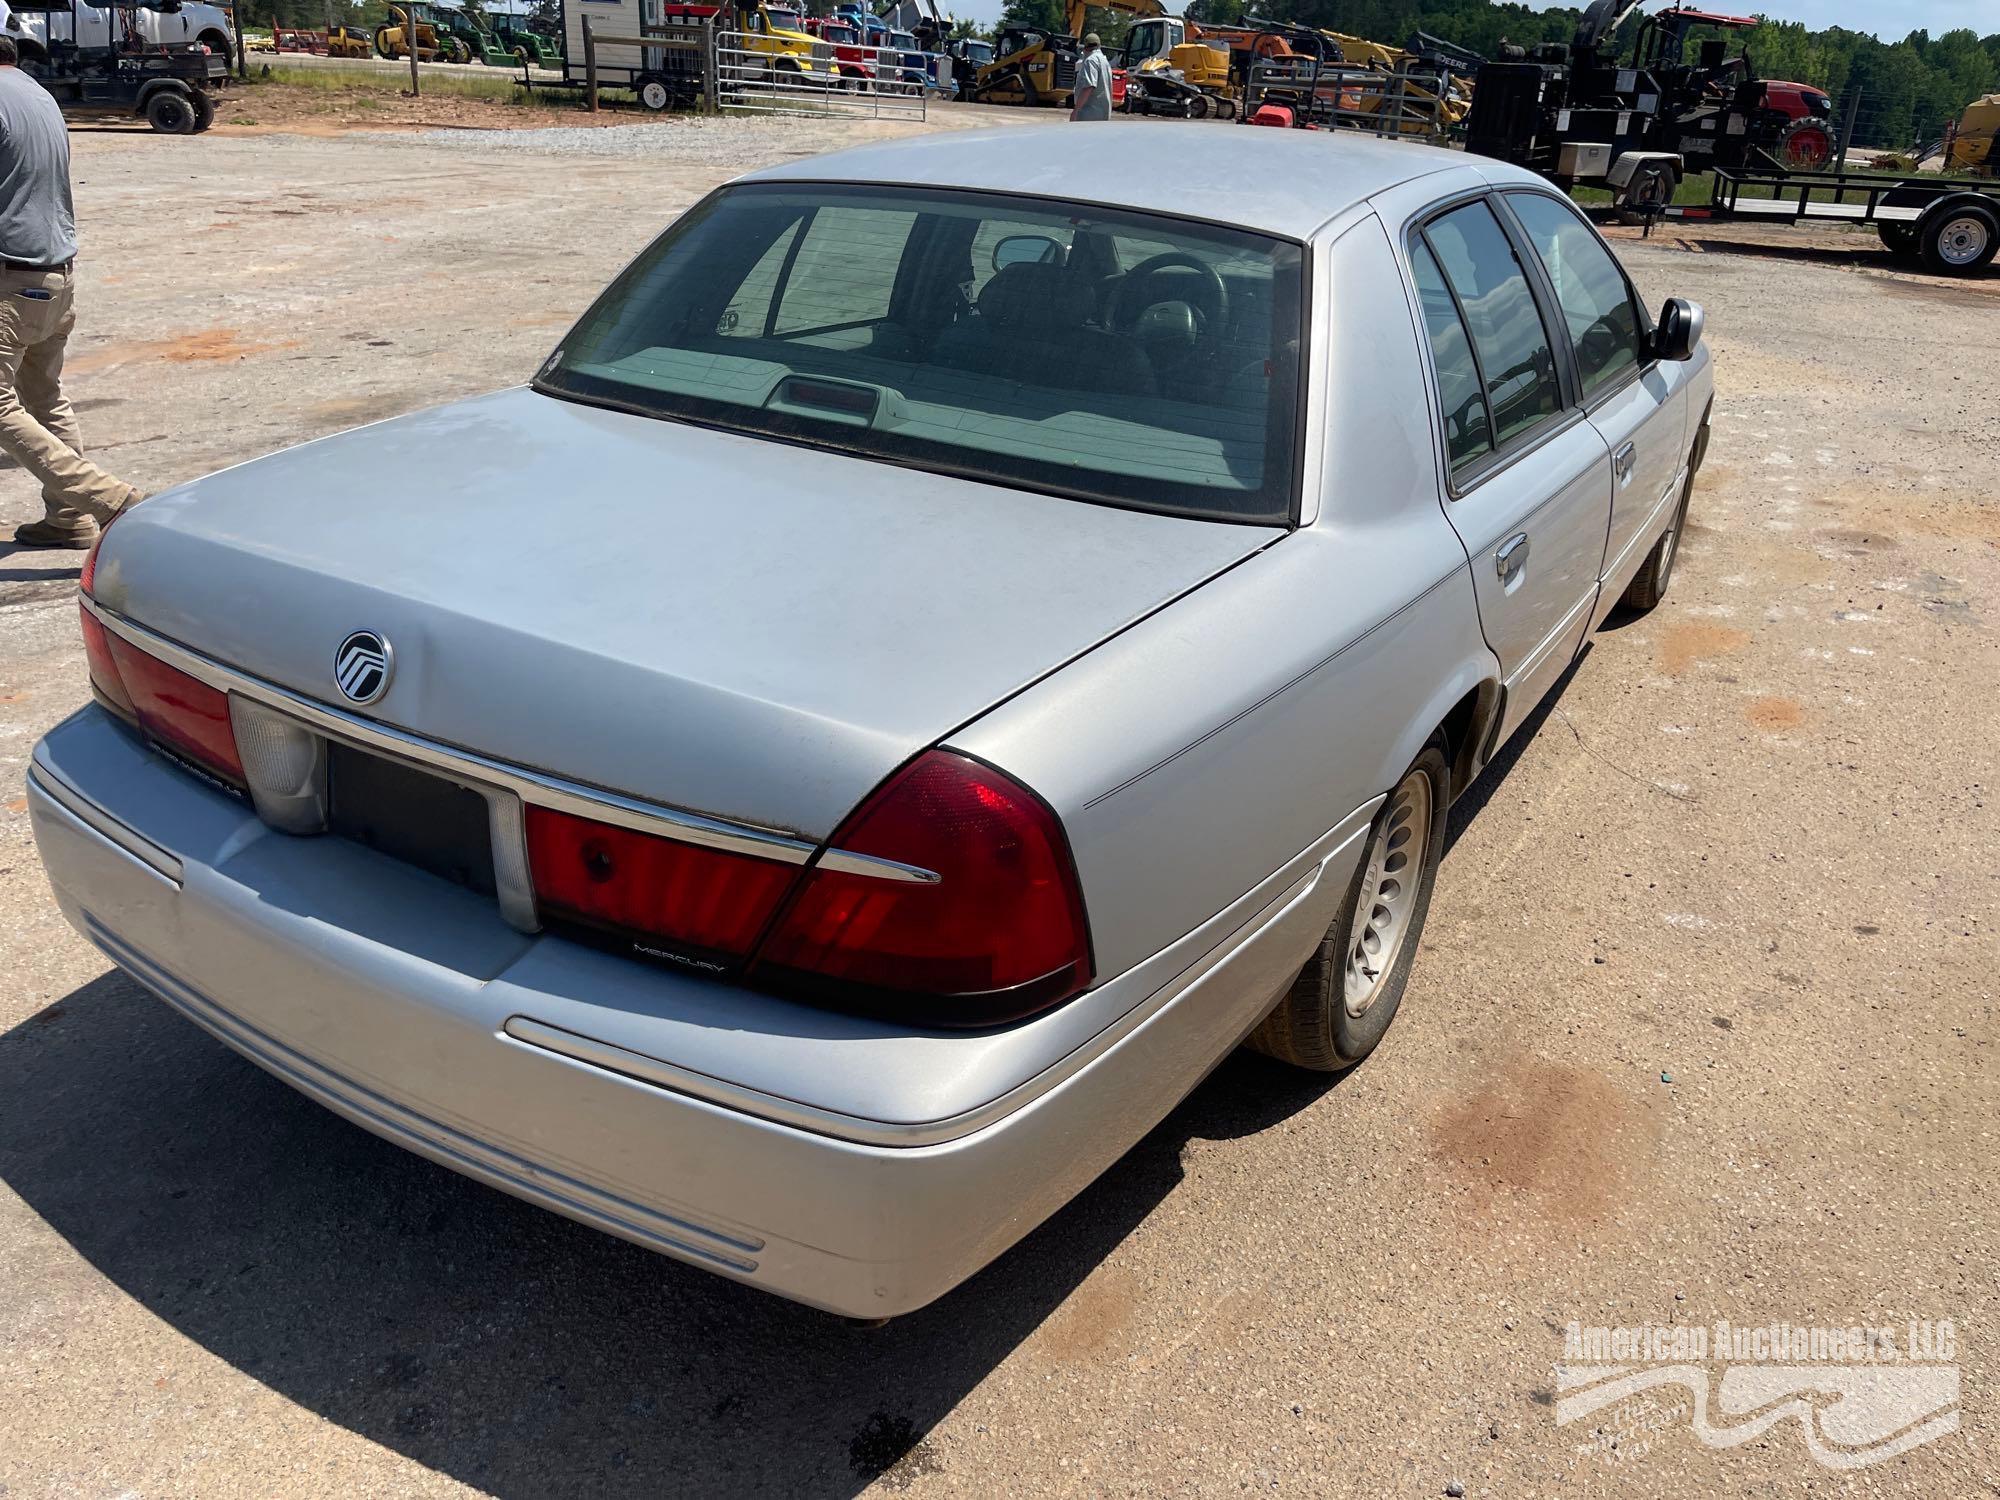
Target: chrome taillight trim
{"x":477,"y":771}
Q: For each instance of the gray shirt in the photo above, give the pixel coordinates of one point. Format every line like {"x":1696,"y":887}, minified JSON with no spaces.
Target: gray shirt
{"x":37,"y":220}
{"x":1093,"y":72}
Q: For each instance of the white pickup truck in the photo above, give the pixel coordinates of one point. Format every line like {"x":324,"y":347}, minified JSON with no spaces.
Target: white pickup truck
{"x":100,"y":26}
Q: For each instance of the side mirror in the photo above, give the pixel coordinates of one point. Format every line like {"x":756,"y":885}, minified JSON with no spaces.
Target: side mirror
{"x":1679,"y":332}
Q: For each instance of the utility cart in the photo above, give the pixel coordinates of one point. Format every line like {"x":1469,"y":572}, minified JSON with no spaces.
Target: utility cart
{"x":1950,"y":224}
{"x":117,"y":70}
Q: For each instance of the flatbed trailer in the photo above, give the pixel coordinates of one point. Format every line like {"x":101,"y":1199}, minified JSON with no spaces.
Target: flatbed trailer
{"x":1951,"y":224}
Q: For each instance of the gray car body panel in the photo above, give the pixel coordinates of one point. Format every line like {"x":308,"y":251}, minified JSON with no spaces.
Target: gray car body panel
{"x":744,"y":629}
{"x":1214,"y":712}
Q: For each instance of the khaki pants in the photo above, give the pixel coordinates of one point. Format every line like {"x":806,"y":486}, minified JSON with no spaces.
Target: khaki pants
{"x":37,"y":427}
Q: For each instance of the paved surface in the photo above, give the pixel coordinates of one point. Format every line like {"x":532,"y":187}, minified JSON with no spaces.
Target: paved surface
{"x":1703,"y":1027}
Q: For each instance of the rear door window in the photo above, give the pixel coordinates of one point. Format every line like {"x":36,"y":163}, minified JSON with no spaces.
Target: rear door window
{"x":1517,"y":364}
{"x":1468,"y":431}
{"x":1596,"y":300}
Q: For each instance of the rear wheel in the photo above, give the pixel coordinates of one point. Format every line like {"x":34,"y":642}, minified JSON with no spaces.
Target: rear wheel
{"x":654,"y":94}
{"x":1804,"y":145}
{"x":204,"y":113}
{"x":1348,"y":993}
{"x":1957,"y":241}
{"x":171,"y":113}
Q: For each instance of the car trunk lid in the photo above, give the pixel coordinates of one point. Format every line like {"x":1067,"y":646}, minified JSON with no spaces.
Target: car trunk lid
{"x":728,"y":625}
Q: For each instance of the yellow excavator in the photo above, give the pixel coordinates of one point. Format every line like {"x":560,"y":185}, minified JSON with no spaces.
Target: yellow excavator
{"x":1038,"y":67}
{"x":1975,"y":139}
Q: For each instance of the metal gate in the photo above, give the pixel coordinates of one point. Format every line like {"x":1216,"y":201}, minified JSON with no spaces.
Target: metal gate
{"x":775,"y":74}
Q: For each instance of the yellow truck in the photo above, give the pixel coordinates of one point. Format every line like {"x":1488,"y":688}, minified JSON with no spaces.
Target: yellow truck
{"x":775,"y":41}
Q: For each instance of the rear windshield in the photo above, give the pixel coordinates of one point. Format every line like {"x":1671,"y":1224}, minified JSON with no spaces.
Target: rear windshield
{"x":1112,"y":356}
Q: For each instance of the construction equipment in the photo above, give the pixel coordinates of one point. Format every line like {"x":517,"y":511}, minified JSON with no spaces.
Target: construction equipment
{"x":1034,"y":66}
{"x":434,"y":41}
{"x":1974,"y":142}
{"x":1576,"y":113}
{"x":1172,"y":68}
{"x":343,"y":41}
{"x":469,"y":24}
{"x":1332,"y":81}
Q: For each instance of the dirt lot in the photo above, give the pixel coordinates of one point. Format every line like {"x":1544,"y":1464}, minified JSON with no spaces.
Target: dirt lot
{"x":1703,"y":1028}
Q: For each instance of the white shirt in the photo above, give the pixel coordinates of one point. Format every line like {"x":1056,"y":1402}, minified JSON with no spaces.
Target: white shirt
{"x":1093,"y":72}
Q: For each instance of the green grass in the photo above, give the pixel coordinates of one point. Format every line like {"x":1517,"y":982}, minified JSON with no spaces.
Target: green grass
{"x":1695,"y":189}
{"x":355,"y":85}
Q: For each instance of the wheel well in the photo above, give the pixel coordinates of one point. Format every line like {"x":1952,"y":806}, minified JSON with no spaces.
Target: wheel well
{"x":1465,"y":730}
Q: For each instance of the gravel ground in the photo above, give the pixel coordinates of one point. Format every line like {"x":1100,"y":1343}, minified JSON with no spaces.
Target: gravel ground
{"x":728,"y":144}
{"x":1703,"y":1026}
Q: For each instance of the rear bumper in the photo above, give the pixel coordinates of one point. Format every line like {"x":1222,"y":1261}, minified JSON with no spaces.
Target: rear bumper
{"x":410,"y":1007}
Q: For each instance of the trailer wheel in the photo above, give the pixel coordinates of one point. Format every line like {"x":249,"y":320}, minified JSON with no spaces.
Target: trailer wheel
{"x":204,"y":113}
{"x":1958,"y":240}
{"x":653,"y":93}
{"x":1650,"y":190}
{"x":1900,"y":240}
{"x":171,"y":113}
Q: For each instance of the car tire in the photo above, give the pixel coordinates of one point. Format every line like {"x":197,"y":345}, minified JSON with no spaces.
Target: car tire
{"x":1326,"y":1020}
{"x":1649,"y":586}
{"x":1959,"y":240}
{"x":653,"y":94}
{"x":204,"y":113}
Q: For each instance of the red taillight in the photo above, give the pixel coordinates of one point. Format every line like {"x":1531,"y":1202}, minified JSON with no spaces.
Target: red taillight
{"x":639,"y":886}
{"x":103,"y":670}
{"x":185,"y":715}
{"x":1001,"y":931}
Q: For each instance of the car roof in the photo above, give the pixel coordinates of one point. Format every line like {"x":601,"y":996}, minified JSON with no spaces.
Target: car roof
{"x":1286,"y":182}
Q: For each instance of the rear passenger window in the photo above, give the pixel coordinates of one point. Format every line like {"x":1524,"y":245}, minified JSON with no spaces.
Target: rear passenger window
{"x":1596,"y":301}
{"x":1517,"y":366}
{"x":1467,"y":433}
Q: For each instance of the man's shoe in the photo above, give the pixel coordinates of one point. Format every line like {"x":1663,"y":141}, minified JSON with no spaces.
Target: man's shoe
{"x":43,"y":534}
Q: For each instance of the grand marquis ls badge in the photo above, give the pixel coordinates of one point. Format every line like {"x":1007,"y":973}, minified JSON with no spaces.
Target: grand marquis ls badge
{"x":362,"y":665}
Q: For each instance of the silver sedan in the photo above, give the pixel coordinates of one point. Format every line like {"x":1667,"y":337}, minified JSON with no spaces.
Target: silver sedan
{"x":948,"y":647}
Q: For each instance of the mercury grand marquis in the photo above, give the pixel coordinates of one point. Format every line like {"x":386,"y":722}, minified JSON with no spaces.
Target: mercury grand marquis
{"x":951,"y":644}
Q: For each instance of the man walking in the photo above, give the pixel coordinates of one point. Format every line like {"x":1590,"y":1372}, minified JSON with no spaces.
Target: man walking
{"x":1092,"y":97}
{"x":37,"y":252}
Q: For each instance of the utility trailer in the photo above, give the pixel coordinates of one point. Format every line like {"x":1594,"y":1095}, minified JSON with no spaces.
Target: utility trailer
{"x":1951,"y":225}
{"x":663,"y":51}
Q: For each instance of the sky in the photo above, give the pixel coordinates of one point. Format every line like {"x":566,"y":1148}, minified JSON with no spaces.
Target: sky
{"x":1892,"y":20}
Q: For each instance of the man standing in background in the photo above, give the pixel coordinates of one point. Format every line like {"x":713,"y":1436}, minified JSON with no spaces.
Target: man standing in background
{"x":37,"y":286}
{"x":1092,"y":97}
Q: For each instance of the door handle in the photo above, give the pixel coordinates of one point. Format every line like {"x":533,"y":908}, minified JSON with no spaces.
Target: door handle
{"x":1512,"y":557}
{"x":1622,"y":460}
